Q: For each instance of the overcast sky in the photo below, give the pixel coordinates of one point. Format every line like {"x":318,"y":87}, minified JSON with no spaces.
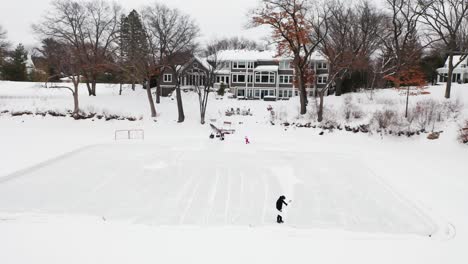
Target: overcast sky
{"x":216,"y":18}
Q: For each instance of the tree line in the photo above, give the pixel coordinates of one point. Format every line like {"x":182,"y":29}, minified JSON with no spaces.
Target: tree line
{"x":399,"y":44}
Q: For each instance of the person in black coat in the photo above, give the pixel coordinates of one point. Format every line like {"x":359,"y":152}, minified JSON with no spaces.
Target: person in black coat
{"x":279,"y":207}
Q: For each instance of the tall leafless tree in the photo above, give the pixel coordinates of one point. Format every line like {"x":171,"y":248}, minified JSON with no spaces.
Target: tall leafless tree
{"x":100,"y":38}
{"x":173,"y":34}
{"x":64,"y":58}
{"x":448,"y":20}
{"x":296,"y":26}
{"x":212,"y":53}
{"x":350,"y":42}
{"x":90,"y":27}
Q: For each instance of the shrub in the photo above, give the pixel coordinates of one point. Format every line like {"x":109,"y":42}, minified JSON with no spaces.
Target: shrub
{"x":463,"y":133}
{"x":350,"y":109}
{"x":386,"y":119}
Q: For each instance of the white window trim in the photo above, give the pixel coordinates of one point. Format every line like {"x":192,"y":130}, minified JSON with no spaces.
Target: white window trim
{"x":286,"y":63}
{"x":167,"y":77}
{"x":248,"y":65}
{"x":322,"y":79}
{"x":290,"y":79}
{"x":269,"y":74}
{"x":238,"y":74}
{"x":321,"y":65}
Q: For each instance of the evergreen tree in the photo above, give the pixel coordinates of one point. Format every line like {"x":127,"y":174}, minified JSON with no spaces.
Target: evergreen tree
{"x":133,"y":43}
{"x":15,"y":68}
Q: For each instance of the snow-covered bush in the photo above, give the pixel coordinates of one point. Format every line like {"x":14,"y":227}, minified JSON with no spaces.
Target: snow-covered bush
{"x":387,"y":119}
{"x":452,"y":108}
{"x":350,"y":109}
{"x":463,"y":133}
{"x":425,"y":114}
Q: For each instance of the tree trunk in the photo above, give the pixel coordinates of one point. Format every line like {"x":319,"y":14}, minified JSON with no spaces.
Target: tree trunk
{"x":180,"y":107}
{"x":133,"y":85}
{"x":120,"y":89}
{"x":407,"y":102}
{"x":158,"y":89}
{"x":302,"y":92}
{"x":150,"y":97}
{"x":93,"y":86}
{"x":320,"y":108}
{"x":339,"y":87}
{"x":76,"y":105}
{"x":449,"y":77}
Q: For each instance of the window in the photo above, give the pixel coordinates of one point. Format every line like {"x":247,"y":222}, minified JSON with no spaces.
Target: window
{"x":257,"y":93}
{"x":280,"y":93}
{"x":195,"y":65}
{"x":322,"y":79}
{"x":265,"y":77}
{"x":167,"y":78}
{"x":285,"y":65}
{"x":239,"y":65}
{"x":238,"y":78}
{"x":271,"y":93}
{"x":285,"y":79}
{"x":250,"y":78}
{"x":242,"y":65}
{"x":321,"y":65}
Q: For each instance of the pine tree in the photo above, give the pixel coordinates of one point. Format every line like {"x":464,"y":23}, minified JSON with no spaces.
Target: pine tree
{"x":15,"y":68}
{"x":133,"y":43}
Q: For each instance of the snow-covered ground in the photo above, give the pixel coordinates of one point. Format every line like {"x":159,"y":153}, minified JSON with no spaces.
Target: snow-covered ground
{"x":70,"y":194}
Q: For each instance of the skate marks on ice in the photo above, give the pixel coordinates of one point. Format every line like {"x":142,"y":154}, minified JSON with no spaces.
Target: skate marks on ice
{"x":148,"y":184}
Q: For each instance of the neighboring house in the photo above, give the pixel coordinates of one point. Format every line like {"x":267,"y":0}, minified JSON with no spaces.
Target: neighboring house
{"x":30,"y":67}
{"x":250,"y":74}
{"x":460,"y":73}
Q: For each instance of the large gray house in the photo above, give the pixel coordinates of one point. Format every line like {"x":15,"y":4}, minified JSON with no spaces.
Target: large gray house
{"x":251,"y":74}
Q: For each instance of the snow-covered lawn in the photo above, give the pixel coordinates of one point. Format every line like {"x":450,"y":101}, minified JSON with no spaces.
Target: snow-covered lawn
{"x":179,"y":197}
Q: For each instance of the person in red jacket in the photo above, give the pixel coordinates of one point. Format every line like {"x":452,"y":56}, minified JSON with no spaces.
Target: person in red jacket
{"x":247,"y":140}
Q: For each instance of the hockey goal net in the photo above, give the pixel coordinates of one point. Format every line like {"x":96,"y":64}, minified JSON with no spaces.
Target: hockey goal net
{"x":129,"y":134}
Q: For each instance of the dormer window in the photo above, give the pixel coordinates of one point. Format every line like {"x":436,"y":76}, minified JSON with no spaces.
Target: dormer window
{"x":322,"y":65}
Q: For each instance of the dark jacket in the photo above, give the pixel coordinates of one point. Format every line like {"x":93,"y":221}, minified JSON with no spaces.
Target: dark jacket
{"x":280,"y":202}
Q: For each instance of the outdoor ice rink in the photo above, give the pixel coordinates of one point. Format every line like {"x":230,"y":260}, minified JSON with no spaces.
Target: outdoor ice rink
{"x":198,"y":186}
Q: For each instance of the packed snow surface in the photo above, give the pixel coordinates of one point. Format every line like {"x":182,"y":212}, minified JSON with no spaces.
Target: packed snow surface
{"x":157,"y":185}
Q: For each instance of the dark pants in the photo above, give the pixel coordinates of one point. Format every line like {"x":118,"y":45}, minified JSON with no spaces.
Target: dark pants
{"x":279,"y":219}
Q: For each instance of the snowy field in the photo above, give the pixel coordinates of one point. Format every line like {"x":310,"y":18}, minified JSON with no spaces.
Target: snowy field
{"x":70,"y":194}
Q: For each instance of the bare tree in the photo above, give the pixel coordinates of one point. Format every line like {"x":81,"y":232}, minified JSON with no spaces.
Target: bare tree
{"x":90,"y":27}
{"x":173,"y":34}
{"x":238,"y":43}
{"x":448,"y":20}
{"x":214,"y":63}
{"x":297,"y":31}
{"x":100,"y":38}
{"x":350,"y":42}
{"x":64,"y":59}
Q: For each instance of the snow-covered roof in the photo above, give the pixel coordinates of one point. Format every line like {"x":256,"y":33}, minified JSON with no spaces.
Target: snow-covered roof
{"x":317,"y":56}
{"x":225,"y":72}
{"x":204,"y":62}
{"x":245,"y":55}
{"x":267,"y":68}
